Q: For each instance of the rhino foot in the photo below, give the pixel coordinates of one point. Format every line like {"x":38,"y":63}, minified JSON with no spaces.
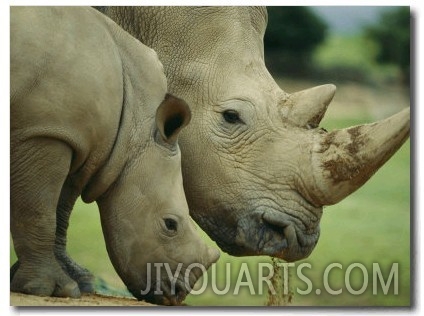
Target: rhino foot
{"x":42,"y":280}
{"x":13,"y":270}
{"x":79,"y":274}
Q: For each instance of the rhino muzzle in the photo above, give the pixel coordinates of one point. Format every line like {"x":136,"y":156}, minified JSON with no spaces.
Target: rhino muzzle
{"x":164,"y":293}
{"x":275,"y":234}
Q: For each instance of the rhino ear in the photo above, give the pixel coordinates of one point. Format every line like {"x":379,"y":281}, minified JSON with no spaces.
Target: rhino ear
{"x":172,"y":115}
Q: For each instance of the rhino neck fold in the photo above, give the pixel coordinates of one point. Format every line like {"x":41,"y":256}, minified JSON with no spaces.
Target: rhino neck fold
{"x":119,"y":155}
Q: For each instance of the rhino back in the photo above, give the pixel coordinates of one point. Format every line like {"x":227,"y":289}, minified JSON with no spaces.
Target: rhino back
{"x":66,"y":78}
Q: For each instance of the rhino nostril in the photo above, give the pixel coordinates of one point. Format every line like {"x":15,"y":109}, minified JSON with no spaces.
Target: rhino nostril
{"x":276,"y":219}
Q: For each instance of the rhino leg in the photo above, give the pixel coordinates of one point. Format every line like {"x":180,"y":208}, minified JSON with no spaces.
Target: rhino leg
{"x":81,"y":275}
{"x":13,"y":270}
{"x":39,"y":167}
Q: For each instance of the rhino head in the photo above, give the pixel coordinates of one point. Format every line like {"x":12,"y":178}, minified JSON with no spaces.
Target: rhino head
{"x":145,"y":217}
{"x":257,"y":168}
{"x":270,"y":170}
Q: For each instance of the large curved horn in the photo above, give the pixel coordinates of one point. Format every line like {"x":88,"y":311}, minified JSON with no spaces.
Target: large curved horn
{"x":306,"y":108}
{"x":344,"y":160}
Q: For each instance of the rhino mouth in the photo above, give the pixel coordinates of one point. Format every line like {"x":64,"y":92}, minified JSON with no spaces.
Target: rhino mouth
{"x":262,"y":231}
{"x":166,"y":293}
{"x":273,"y":233}
{"x":169,"y":296}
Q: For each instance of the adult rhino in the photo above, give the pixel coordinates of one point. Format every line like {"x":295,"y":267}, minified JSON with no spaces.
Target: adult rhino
{"x":257,"y":168}
{"x":90,"y":116}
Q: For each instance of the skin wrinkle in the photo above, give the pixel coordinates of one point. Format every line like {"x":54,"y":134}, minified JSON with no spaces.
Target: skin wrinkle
{"x":246,"y":136}
{"x":305,"y":221}
{"x":301,"y":222}
{"x":227,"y":230}
{"x":247,"y":141}
{"x":229,"y":138}
{"x":41,"y":67}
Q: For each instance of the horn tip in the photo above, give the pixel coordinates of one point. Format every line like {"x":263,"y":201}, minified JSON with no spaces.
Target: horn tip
{"x":331,"y":87}
{"x":403,"y":118}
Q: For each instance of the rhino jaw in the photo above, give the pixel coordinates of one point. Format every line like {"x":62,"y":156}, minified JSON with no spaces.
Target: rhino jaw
{"x":275,"y":234}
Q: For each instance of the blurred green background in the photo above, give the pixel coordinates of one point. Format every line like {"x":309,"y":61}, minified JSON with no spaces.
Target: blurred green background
{"x":370,"y":226}
{"x":370,"y":45}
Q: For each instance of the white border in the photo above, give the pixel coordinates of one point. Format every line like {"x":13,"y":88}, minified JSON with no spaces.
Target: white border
{"x":416,"y":8}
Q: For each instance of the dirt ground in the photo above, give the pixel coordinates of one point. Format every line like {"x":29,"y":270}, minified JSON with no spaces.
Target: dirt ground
{"x":17,"y":299}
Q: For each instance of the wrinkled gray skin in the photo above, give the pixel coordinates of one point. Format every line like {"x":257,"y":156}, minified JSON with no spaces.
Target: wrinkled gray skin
{"x":257,"y":168}
{"x":90,"y":116}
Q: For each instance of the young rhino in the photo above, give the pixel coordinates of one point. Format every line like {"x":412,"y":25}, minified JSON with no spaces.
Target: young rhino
{"x":90,"y":116}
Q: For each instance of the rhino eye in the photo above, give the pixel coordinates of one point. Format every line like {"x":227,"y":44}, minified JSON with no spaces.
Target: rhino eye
{"x":171,"y":224}
{"x":231,"y":116}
